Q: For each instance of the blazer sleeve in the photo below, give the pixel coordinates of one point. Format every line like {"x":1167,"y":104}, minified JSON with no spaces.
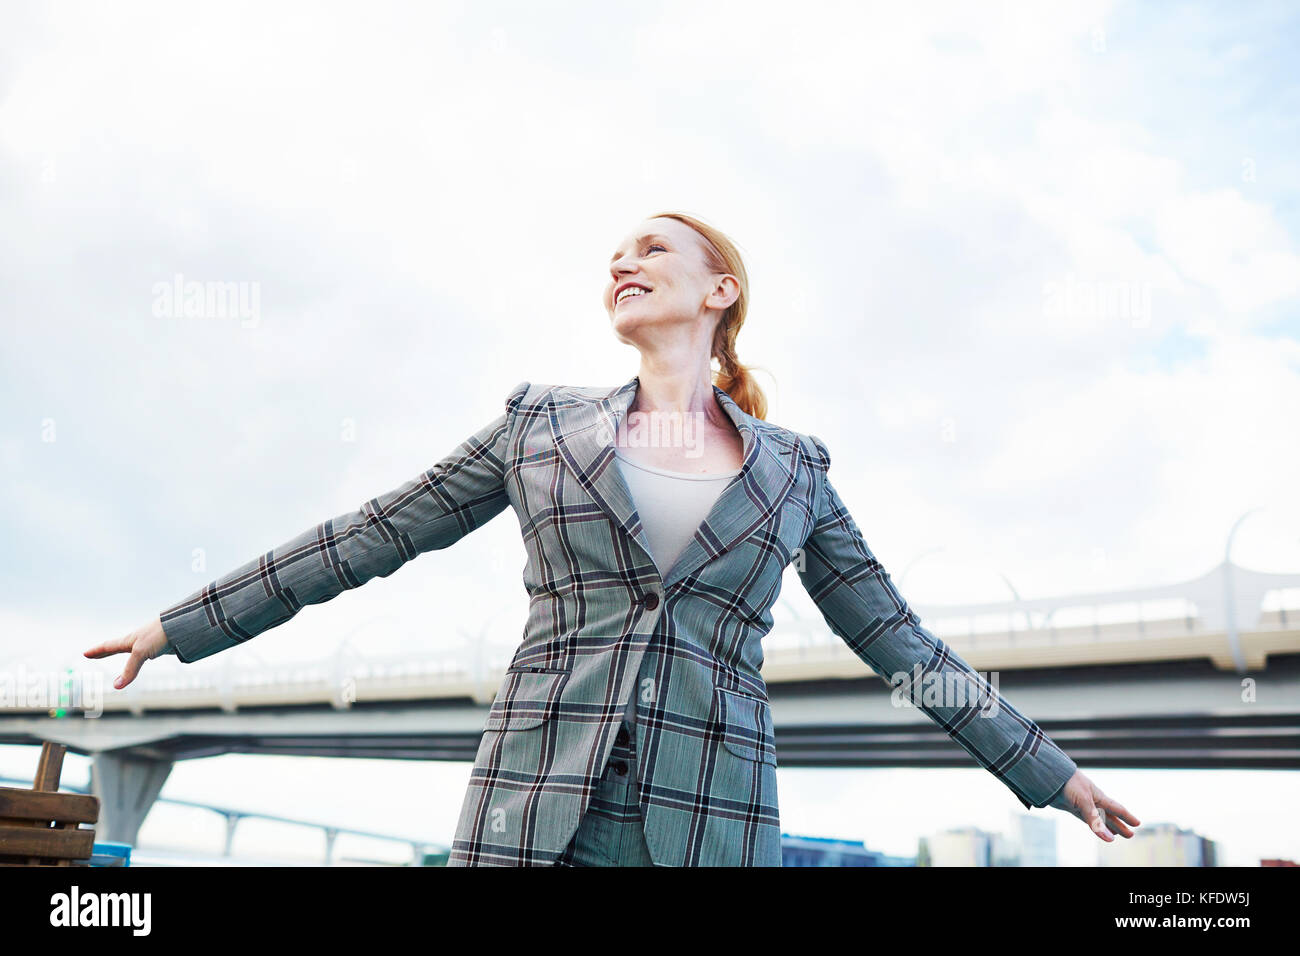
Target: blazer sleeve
{"x":856,"y":597}
{"x":433,"y":510}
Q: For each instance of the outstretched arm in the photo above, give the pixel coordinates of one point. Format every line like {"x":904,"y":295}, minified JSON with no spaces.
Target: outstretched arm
{"x":433,"y":510}
{"x":860,"y":604}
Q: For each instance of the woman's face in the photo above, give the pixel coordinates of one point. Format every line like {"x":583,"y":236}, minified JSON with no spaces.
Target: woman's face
{"x":664,"y":260}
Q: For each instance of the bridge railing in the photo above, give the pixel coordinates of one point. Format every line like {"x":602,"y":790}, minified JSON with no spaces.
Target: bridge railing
{"x":1257,"y":602}
{"x":233,"y":817}
{"x":1260,"y":602}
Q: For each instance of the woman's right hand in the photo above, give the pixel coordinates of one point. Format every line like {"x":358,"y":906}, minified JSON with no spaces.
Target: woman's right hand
{"x":143,"y":644}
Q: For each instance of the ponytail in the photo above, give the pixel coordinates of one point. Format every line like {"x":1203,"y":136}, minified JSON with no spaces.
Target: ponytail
{"x":732,"y":377}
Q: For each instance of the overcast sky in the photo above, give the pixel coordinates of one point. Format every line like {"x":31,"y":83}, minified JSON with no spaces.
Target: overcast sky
{"x":421,"y":202}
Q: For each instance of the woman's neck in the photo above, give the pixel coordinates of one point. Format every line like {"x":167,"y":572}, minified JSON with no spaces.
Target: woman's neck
{"x":678,"y":389}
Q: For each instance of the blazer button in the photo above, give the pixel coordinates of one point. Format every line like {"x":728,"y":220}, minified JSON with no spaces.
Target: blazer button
{"x":619,"y":767}
{"x":650,"y":601}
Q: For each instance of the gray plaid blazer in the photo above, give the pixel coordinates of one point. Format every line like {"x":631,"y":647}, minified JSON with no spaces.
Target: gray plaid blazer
{"x":603,"y":624}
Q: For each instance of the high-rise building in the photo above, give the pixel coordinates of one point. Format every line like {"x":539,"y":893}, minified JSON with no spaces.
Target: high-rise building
{"x":1159,"y":844}
{"x":963,"y":846}
{"x":1033,"y":838}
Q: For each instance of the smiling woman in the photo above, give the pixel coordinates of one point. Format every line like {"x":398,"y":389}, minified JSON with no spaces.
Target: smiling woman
{"x":673,"y":250}
{"x":633,"y":725}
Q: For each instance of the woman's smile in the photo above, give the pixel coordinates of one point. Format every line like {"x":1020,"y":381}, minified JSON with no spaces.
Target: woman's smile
{"x":634,"y":294}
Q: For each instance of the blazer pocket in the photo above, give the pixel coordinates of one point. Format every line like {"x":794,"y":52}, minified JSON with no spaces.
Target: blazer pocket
{"x":747,"y":725}
{"x":527,"y":698}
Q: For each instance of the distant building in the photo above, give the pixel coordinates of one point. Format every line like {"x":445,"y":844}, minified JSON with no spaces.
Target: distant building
{"x":964,"y":846}
{"x":1033,"y":839}
{"x":1160,"y":844}
{"x":1003,"y":850}
{"x":826,"y":851}
{"x":1030,"y":841}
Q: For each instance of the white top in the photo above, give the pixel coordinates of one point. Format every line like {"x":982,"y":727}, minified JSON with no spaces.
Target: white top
{"x":672,"y":506}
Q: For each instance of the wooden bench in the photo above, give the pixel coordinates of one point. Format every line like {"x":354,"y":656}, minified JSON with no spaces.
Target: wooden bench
{"x":42,"y":827}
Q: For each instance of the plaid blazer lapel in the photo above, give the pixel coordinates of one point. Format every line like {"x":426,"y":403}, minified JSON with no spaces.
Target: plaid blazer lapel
{"x":584,"y":427}
{"x":584,"y":430}
{"x":752,"y":498}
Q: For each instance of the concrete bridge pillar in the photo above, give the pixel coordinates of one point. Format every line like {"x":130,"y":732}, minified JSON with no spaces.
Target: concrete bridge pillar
{"x":232,"y":821}
{"x":127,"y":786}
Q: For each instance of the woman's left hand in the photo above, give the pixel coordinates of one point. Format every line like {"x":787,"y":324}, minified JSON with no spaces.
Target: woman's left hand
{"x":1083,"y":798}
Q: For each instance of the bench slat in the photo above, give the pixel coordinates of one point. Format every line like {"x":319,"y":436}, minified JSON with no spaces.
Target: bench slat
{"x":34,"y":842}
{"x":19,"y":804}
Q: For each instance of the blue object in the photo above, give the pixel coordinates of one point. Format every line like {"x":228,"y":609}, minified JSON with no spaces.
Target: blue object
{"x":110,"y":854}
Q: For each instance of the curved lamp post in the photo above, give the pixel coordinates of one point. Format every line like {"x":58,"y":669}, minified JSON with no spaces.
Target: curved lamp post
{"x":1229,"y":597}
{"x":1015,"y":595}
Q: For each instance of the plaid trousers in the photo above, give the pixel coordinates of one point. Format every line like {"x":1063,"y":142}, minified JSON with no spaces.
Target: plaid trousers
{"x":611,"y":831}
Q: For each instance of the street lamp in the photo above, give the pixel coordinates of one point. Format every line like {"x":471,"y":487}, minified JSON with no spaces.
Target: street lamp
{"x":1229,"y":598}
{"x":1015,"y":595}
